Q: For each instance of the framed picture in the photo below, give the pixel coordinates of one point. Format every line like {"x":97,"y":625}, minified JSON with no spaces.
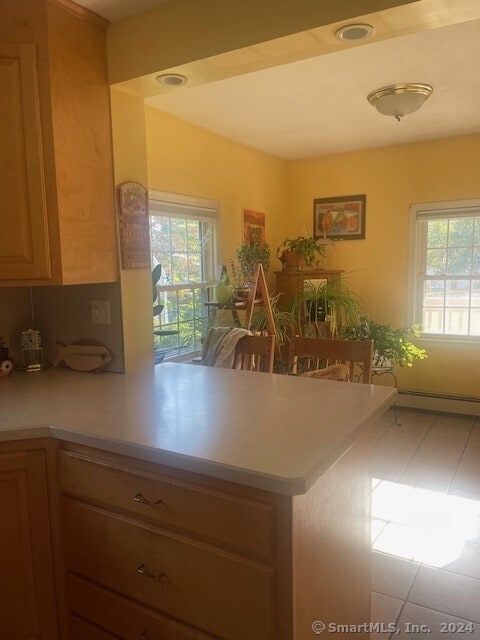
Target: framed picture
{"x":253,"y":226}
{"x":341,"y":218}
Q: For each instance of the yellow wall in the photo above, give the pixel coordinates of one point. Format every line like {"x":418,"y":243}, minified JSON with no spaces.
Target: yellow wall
{"x":130,"y":163}
{"x":393,"y":178}
{"x":186,"y":159}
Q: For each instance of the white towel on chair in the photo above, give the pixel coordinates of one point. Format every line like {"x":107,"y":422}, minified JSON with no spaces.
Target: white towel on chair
{"x":220,"y":345}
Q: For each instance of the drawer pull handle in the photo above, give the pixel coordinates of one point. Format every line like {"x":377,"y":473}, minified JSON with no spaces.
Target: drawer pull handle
{"x":143,"y":571}
{"x":142,"y":500}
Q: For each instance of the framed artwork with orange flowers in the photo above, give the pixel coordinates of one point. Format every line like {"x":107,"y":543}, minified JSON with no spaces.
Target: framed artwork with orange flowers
{"x":341,"y":218}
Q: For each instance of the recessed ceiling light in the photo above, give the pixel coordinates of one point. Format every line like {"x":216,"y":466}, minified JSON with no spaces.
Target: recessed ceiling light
{"x":172,"y":79}
{"x":352,"y":32}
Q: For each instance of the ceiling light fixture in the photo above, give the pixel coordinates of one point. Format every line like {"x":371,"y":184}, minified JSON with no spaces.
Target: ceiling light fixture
{"x":352,"y":32}
{"x":172,"y":79}
{"x":399,"y":99}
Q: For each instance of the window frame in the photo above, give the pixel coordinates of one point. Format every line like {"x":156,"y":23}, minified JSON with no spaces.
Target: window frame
{"x":417,"y":263}
{"x":190,"y":208}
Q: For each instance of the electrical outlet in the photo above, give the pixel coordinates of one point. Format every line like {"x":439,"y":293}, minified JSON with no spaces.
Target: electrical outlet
{"x":100,"y":310}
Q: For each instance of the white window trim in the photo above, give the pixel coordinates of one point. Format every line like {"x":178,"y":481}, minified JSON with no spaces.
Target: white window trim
{"x":209,"y":209}
{"x":202,"y":209}
{"x":414,"y":263}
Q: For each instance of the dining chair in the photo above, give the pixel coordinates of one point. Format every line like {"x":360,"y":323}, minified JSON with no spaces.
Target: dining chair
{"x":306,"y":354}
{"x":255,"y":353}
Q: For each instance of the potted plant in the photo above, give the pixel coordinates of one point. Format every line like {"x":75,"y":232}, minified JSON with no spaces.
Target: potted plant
{"x":296,"y":254}
{"x":156,"y":275}
{"x":223,"y":290}
{"x":391,"y":346}
{"x":249,"y":256}
{"x":332,"y":301}
{"x":284,"y":321}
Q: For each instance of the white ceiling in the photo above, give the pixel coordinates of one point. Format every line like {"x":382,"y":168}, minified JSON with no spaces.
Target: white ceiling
{"x":319,"y":105}
{"x":116,"y":9}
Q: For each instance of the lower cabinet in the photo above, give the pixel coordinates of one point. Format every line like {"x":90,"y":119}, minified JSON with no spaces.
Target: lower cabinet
{"x":156,"y":553}
{"x":145,"y":561}
{"x":97,"y":609}
{"x":27,"y":597}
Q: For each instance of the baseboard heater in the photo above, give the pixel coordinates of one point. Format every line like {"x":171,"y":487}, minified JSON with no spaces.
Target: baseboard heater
{"x":443,"y":402}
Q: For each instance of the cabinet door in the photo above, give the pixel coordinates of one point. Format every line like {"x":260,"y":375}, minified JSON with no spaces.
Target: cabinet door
{"x":24,"y":248}
{"x":27,"y":605}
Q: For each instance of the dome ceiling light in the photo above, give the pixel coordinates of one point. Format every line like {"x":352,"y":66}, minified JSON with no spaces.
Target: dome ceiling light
{"x":399,"y":99}
{"x":172,"y":79}
{"x":353,"y":32}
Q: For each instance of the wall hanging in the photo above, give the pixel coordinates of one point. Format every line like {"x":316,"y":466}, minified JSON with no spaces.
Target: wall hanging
{"x":340,"y":218}
{"x":134,"y":225}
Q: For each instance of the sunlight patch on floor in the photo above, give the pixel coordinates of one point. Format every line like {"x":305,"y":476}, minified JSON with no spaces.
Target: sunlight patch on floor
{"x":423,"y":524}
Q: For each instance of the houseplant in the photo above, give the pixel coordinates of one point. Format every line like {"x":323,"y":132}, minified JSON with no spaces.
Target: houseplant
{"x":223,"y":290}
{"x":249,"y":256}
{"x":330,"y":300}
{"x":297,"y":253}
{"x":284,"y":321}
{"x":391,"y":346}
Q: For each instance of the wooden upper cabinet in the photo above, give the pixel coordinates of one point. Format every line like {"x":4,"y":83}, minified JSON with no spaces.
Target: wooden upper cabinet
{"x":24,"y":248}
{"x":57,"y":213}
{"x":27,"y":600}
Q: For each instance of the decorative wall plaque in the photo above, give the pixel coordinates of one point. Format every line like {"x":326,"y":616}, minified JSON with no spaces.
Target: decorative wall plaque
{"x":134,"y":226}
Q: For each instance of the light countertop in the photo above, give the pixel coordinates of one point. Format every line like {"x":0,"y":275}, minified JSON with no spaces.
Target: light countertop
{"x":273,"y":432}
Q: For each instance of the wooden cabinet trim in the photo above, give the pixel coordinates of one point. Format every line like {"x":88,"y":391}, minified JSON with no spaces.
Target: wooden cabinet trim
{"x":26,"y":469}
{"x":33,"y":259}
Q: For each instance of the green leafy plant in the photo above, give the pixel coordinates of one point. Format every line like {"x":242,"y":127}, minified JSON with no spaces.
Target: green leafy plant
{"x":390,"y":345}
{"x":332,"y":300}
{"x":249,"y":255}
{"x":156,"y":274}
{"x":223,"y":278}
{"x":284,"y":320}
{"x":308,"y":248}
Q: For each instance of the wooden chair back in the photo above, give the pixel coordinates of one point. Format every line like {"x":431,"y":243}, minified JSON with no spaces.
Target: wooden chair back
{"x":255,"y":353}
{"x":312,"y":352}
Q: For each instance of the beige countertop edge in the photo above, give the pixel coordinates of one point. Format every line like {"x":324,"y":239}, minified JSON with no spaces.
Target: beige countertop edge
{"x":317,"y":472}
{"x":256,"y":479}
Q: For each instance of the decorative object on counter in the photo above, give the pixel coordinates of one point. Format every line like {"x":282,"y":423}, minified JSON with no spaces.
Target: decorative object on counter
{"x":82,"y":357}
{"x":134,"y":225}
{"x":6,"y":364}
{"x":223,"y":290}
{"x":300,"y":254}
{"x":32,"y":351}
{"x":341,"y":218}
{"x":253,"y":226}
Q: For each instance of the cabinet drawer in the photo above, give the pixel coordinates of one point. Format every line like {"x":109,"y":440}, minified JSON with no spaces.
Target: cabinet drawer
{"x":121,"y":616}
{"x":83,"y":630}
{"x":212,"y":590}
{"x":234,"y":522}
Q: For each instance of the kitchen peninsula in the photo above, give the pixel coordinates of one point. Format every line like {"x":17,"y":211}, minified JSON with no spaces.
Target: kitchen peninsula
{"x":190,"y":502}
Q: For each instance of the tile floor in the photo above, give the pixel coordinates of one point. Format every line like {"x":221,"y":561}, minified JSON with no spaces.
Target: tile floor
{"x":426,"y":526}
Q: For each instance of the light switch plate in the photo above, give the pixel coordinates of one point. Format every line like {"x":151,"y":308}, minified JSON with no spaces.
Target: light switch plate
{"x":100,"y":310}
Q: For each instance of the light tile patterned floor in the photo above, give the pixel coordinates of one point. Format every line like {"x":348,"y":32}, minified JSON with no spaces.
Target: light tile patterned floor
{"x":426,"y":526}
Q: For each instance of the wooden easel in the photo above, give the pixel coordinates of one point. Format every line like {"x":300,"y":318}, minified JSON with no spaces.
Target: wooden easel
{"x":260,"y":288}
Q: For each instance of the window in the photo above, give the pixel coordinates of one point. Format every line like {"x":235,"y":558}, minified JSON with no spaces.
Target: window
{"x":445,"y":269}
{"x":182,"y":232}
